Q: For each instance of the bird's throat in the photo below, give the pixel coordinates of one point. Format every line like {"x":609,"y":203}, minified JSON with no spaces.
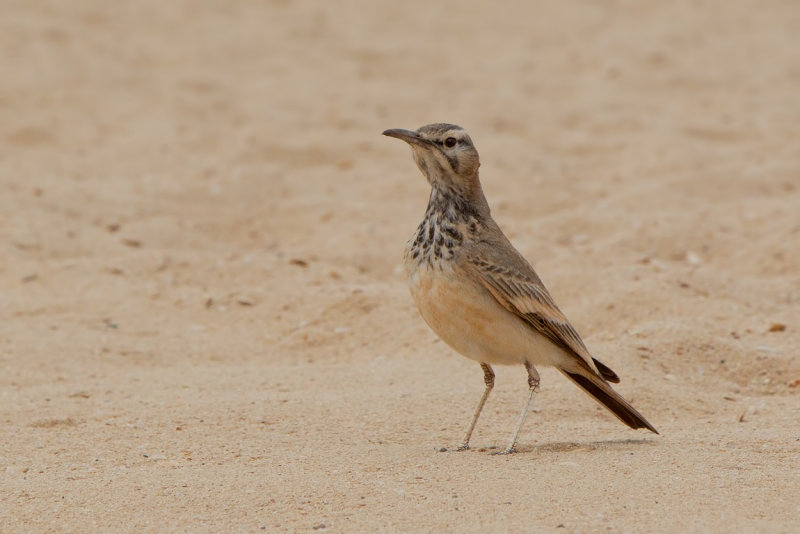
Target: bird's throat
{"x":449,"y":220}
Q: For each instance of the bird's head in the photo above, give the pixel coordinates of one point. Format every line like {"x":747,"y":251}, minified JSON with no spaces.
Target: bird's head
{"x":445,"y":155}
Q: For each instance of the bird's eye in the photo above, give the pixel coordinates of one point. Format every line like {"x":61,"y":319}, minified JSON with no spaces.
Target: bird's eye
{"x":450,"y":142}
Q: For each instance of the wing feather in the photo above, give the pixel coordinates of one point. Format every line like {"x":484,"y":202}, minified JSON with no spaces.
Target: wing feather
{"x":528,"y":298}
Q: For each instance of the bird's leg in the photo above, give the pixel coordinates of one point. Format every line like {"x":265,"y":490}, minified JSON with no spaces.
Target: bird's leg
{"x":488,"y":379}
{"x":533,"y":386}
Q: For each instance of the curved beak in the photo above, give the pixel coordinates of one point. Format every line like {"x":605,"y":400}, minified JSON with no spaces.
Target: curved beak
{"x":412,"y":138}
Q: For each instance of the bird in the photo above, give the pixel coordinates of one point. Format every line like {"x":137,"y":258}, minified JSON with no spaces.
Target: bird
{"x":479,"y":294}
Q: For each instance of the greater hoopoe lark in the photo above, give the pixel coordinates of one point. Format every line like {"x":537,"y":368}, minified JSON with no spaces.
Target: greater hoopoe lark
{"x":479,"y":294}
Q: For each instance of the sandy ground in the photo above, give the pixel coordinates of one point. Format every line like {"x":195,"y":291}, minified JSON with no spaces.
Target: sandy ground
{"x":204,"y":324}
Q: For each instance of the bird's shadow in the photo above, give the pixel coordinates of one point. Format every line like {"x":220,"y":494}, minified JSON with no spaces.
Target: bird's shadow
{"x":588,"y":446}
{"x":563,"y":446}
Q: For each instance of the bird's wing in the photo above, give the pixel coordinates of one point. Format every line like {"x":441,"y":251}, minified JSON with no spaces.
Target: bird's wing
{"x":522,"y":293}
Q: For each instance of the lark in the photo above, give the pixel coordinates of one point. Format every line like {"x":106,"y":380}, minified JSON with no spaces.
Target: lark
{"x":478,"y":293}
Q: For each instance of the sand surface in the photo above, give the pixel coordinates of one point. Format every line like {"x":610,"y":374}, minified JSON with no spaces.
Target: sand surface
{"x":204,"y":323}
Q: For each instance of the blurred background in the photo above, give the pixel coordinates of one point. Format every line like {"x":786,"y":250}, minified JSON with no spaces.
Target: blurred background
{"x":199,"y":215}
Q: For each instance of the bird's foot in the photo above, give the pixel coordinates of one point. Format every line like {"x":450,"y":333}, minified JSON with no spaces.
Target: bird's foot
{"x":507,"y":450}
{"x":462,"y":447}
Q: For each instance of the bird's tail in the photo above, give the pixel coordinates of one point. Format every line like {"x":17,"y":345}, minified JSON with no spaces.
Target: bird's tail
{"x":601,"y":391}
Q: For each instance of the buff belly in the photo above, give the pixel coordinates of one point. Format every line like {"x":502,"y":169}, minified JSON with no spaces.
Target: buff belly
{"x":469,"y":319}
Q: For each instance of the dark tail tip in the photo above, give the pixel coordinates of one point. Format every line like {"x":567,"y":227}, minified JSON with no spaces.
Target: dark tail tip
{"x":616,"y":404}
